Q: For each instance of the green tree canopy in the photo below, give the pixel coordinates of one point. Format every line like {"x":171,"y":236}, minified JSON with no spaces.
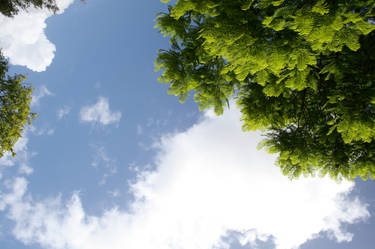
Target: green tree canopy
{"x":12,"y":7}
{"x":302,"y":71}
{"x":14,"y":107}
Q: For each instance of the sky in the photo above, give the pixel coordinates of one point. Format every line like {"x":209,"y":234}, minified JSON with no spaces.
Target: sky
{"x":113,"y":161}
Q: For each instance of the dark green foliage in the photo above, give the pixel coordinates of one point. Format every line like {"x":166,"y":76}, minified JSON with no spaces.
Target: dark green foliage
{"x":301,"y":71}
{"x":14,"y":108}
{"x":11,"y":7}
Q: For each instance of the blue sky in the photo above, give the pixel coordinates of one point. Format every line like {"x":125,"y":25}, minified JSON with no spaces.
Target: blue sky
{"x":112,"y":161}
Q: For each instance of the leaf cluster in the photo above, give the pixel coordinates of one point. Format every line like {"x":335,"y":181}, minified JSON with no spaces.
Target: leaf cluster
{"x":301,"y":71}
{"x":11,"y":8}
{"x":15,"y":112}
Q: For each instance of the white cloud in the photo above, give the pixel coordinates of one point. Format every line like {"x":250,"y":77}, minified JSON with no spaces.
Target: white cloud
{"x":21,"y":158}
{"x":23,"y":40}
{"x":40,"y":93}
{"x":65,"y":110}
{"x":41,"y":131}
{"x":50,"y":132}
{"x":114,"y":193}
{"x":18,"y":189}
{"x":101,"y":158}
{"x":100,"y":113}
{"x":209,"y":181}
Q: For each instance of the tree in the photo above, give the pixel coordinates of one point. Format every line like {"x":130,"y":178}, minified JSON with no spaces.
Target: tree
{"x":302,"y":71}
{"x":14,"y":108}
{"x":11,"y":8}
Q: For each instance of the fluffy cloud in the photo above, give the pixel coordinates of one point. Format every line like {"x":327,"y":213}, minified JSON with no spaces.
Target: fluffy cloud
{"x":41,"y":131}
{"x":65,"y":110}
{"x":23,"y":40}
{"x":100,"y":113}
{"x":209,"y":183}
{"x":103,"y":160}
{"x":20,"y":148}
{"x":40,"y":93}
